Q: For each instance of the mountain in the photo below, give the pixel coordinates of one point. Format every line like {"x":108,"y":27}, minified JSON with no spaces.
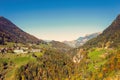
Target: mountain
{"x":60,"y":46}
{"x":11,"y":33}
{"x":70,"y":43}
{"x":99,"y":58}
{"x":110,"y":37}
{"x":81,"y":40}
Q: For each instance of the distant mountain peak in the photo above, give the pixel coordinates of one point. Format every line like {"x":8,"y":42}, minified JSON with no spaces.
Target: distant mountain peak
{"x":81,"y":40}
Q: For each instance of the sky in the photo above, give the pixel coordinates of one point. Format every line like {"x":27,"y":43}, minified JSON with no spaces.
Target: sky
{"x":60,"y":19}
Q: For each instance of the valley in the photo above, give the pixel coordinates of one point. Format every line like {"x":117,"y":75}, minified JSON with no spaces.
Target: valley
{"x":24,"y":57}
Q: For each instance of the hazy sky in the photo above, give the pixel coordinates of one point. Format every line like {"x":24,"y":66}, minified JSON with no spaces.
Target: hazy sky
{"x":60,"y":19}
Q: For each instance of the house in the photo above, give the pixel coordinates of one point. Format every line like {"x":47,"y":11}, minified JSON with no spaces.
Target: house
{"x":19,"y":51}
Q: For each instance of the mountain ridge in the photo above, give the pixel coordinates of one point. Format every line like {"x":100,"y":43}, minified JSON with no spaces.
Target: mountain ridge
{"x":110,"y":35}
{"x":12,"y":33}
{"x":81,"y":40}
{"x":99,"y":58}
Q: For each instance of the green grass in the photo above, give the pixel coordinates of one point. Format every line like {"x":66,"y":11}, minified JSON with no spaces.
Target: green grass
{"x":96,"y":61}
{"x":95,"y":58}
{"x":38,"y":54}
{"x":17,"y":61}
{"x":94,"y":55}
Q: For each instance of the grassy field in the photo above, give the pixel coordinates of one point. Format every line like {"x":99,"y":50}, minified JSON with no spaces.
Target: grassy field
{"x":98,"y":58}
{"x":10,"y":62}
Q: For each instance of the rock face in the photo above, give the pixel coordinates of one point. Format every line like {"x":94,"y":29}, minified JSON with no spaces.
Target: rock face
{"x":79,"y":56}
{"x":12,"y":33}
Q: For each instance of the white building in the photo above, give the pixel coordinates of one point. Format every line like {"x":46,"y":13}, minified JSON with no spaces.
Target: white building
{"x":19,"y":51}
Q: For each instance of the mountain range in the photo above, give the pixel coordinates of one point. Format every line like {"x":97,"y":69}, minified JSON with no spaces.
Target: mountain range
{"x":81,"y":40}
{"x":9,"y":32}
{"x":96,"y":57}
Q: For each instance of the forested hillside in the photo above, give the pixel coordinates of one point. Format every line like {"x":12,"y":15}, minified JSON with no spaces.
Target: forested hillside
{"x":101,"y":58}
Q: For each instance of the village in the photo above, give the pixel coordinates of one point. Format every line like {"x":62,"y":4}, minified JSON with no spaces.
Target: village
{"x":16,"y":49}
